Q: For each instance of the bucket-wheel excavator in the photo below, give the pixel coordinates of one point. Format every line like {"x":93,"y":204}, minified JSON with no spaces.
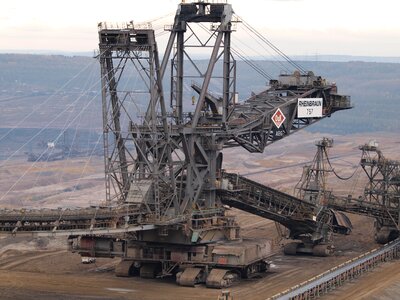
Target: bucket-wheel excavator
{"x":165,"y":187}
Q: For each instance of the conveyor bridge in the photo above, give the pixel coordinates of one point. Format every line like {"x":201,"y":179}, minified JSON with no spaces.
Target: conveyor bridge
{"x":299,"y":216}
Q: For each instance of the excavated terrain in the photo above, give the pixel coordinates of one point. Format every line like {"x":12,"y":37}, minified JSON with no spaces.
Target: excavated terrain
{"x":42,"y":268}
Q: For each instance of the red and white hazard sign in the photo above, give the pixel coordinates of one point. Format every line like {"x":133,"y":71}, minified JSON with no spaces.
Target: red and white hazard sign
{"x":278,"y":118}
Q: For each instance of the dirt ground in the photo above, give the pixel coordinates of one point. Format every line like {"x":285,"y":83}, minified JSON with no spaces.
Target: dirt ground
{"x":43,"y":269}
{"x":383,"y":284}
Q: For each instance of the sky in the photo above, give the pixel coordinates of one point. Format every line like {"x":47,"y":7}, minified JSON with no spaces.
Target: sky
{"x":298,"y":27}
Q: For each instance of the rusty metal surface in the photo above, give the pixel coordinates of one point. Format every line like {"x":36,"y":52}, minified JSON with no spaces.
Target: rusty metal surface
{"x":269,"y":203}
{"x":190,"y":276}
{"x":215,"y":278}
{"x":341,"y":219}
{"x":168,"y":161}
{"x":123,"y":268}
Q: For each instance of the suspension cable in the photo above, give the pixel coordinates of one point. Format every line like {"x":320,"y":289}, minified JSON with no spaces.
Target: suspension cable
{"x":248,"y":61}
{"x":272,"y":46}
{"x":49,"y":124}
{"x":275,"y":60}
{"x":37,"y":108}
{"x":252,"y":64}
{"x":41,"y":155}
{"x":337,"y":175}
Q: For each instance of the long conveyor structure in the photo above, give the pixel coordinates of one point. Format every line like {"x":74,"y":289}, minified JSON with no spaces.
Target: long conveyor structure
{"x":73,"y":221}
{"x":164,"y":214}
{"x":310,"y":223}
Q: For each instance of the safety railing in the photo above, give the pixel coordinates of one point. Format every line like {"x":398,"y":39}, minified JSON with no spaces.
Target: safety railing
{"x":337,"y":276}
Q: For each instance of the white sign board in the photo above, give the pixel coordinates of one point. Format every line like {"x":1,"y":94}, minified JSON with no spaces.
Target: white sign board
{"x":309,"y":108}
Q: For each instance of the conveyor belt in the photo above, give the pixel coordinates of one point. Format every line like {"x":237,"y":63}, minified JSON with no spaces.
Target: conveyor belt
{"x":77,"y":221}
{"x":329,"y":280}
{"x":297,"y":215}
{"x":247,"y":195}
{"x":365,"y":208}
{"x":255,"y":198}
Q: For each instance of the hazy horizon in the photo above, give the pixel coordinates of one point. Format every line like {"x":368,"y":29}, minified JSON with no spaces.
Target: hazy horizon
{"x":315,"y":57}
{"x":297,"y":27}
